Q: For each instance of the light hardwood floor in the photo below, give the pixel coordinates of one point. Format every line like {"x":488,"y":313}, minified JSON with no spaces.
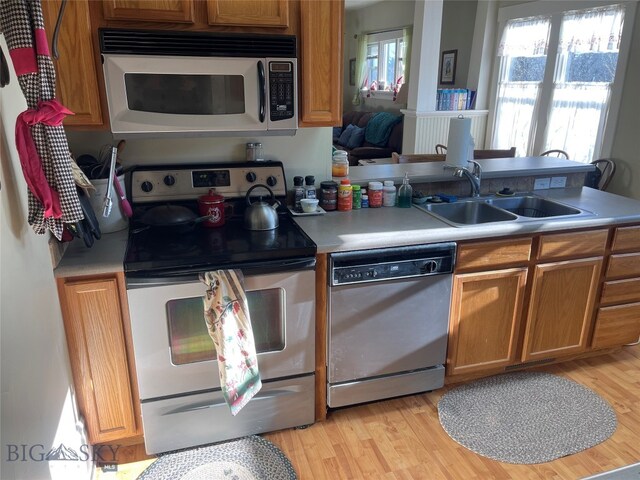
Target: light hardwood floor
{"x":402,"y":438}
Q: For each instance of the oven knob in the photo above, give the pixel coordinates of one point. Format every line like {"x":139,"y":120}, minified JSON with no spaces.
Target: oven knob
{"x":169,"y":180}
{"x":271,"y":181}
{"x":146,"y":186}
{"x":251,"y":177}
{"x":429,"y":267}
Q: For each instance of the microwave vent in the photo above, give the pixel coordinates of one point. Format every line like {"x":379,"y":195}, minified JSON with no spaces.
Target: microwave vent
{"x":150,"y":42}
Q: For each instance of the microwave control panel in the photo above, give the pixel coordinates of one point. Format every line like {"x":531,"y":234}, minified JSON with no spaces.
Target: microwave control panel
{"x":281,"y":89}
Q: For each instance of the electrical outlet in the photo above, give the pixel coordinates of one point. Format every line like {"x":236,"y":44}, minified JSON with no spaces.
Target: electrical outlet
{"x":541,"y":183}
{"x":558,"y":182}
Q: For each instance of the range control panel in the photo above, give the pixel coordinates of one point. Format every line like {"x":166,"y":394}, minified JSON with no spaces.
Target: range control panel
{"x":231,"y":180}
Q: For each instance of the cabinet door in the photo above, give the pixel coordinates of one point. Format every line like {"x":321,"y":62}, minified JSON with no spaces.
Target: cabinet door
{"x":180,"y":11}
{"x":561,"y":308}
{"x":76,"y":71}
{"x":249,"y":13}
{"x":485,"y":314}
{"x":93,"y":317}
{"x":321,"y":63}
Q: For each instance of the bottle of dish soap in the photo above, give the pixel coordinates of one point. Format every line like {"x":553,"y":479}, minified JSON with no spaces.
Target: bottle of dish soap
{"x":405,"y":192}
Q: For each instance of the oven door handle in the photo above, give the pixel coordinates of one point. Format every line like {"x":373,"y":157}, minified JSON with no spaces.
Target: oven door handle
{"x":271,"y":394}
{"x":156,"y":279}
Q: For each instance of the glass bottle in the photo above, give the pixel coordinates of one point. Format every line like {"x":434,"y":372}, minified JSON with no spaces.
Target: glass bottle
{"x":298,"y":192}
{"x":310,"y":186}
{"x":405,"y":192}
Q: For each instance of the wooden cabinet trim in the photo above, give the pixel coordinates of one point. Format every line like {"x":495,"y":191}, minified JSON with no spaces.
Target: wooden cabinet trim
{"x":252,"y":13}
{"x":163,"y":11}
{"x":572,"y":244}
{"x":623,"y":265}
{"x":626,"y":238}
{"x":617,"y":326}
{"x":496,"y":253}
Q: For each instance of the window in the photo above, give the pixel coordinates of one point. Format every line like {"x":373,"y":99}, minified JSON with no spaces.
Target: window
{"x":555,"y":75}
{"x":385,"y":61}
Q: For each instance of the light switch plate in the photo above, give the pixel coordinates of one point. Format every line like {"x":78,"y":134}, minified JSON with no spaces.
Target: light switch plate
{"x":558,"y":182}
{"x":541,"y":183}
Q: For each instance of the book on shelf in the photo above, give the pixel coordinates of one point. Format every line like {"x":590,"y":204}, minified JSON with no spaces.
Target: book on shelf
{"x":455,"y":99}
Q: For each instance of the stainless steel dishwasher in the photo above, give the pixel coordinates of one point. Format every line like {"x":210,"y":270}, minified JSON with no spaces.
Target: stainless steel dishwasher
{"x":388,"y":322}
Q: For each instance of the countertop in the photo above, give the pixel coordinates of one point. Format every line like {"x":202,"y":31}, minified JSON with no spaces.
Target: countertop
{"x":425,"y":172}
{"x":384,"y":227}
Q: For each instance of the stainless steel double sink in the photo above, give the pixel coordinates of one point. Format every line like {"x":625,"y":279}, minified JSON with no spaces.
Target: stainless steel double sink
{"x":482,"y":210}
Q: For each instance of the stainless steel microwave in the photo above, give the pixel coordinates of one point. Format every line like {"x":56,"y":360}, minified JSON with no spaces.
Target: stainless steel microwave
{"x":162,"y":83}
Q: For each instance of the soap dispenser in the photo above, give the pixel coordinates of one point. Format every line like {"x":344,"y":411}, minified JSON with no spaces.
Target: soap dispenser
{"x":405,"y":192}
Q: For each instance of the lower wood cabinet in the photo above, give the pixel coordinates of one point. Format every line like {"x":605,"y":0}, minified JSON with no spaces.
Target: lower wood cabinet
{"x":561,"y":308}
{"x":485,"y":318}
{"x":96,"y":322}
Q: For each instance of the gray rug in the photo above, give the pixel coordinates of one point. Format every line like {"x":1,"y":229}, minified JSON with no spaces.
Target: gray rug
{"x":249,"y":458}
{"x":526,"y":417}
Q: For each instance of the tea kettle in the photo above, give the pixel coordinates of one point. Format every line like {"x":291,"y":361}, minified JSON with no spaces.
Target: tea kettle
{"x":261,"y":215}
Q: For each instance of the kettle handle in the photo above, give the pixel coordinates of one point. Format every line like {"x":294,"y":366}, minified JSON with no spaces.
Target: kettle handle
{"x":247,"y":196}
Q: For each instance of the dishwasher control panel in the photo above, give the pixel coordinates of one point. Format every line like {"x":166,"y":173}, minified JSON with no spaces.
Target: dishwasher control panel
{"x":390,"y":264}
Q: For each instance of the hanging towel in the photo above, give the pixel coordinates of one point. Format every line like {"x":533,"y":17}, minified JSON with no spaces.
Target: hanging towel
{"x":227,"y":316}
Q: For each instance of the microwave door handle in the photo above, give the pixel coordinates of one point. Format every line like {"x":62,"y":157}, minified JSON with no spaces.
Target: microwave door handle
{"x":262,"y":86}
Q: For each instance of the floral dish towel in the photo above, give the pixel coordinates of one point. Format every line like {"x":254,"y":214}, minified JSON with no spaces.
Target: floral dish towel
{"x":226,"y":313}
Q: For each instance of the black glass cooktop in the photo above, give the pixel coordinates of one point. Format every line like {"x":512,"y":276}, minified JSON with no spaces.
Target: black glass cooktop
{"x":153,"y":253}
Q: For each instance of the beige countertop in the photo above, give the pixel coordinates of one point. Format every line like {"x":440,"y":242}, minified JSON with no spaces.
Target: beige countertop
{"x":384,"y":227}
{"x":425,"y":172}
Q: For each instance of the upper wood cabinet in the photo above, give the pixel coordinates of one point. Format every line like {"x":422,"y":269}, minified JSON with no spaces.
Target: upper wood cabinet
{"x":77,"y":76}
{"x":251,"y":13}
{"x":170,"y":11}
{"x":321,"y":26}
{"x":95,"y":314}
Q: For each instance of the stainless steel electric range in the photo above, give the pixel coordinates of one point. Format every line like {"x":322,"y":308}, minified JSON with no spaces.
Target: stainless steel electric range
{"x":177,"y":370}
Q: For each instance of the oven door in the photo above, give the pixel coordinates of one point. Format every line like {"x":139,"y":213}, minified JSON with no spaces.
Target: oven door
{"x":173,"y":351}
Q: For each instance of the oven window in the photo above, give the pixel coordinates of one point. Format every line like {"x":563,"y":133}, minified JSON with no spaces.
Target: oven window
{"x":183,"y":94}
{"x":189,"y":339}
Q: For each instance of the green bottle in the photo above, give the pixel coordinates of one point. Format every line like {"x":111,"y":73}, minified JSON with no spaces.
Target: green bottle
{"x":405,"y":192}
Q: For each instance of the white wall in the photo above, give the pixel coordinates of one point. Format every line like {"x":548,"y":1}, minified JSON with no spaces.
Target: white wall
{"x":36,"y":405}
{"x":458,"y":23}
{"x":625,"y":151}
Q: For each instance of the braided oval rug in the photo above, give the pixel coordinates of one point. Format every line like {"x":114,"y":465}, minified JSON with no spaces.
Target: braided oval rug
{"x":526,"y":417}
{"x":249,"y":458}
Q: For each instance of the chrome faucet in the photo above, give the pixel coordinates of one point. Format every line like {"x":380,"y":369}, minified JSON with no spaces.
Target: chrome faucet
{"x":474,"y":176}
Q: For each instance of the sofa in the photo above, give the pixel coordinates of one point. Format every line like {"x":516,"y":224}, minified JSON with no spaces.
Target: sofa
{"x":359,"y":148}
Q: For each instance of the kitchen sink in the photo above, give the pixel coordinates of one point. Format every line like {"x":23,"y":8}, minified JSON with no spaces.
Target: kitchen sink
{"x":522,"y":208}
{"x":468,"y":213}
{"x":530,"y":206}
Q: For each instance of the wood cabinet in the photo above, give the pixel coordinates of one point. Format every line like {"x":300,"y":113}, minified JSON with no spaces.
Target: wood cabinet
{"x":77,"y":76}
{"x":171,"y":11}
{"x":96,"y":322}
{"x":250,"y":13}
{"x":321,"y":26}
{"x":522,"y":300}
{"x":618,"y":317}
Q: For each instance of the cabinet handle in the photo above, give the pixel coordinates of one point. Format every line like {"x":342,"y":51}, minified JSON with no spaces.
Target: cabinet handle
{"x":56,"y":31}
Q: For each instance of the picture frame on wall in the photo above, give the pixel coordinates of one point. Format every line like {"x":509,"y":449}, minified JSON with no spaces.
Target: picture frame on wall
{"x":448,"y":67}
{"x":352,"y":72}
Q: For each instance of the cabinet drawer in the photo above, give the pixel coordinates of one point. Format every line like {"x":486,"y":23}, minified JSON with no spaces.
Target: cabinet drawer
{"x":494,"y":254}
{"x":621,"y":291}
{"x":572,"y":244}
{"x":624,"y":265}
{"x":626,"y":238}
{"x":617,"y":326}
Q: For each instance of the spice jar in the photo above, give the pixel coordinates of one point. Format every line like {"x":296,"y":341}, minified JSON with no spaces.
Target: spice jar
{"x":339,"y":164}
{"x":254,"y":152}
{"x":345,"y":199}
{"x":375,"y":194}
{"x":329,"y":195}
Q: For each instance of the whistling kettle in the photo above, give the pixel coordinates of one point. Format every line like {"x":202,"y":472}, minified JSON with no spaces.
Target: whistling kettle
{"x":261,"y":215}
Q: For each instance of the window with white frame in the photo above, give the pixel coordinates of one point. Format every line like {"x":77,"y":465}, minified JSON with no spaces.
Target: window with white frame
{"x":385,"y":61}
{"x":555,"y":75}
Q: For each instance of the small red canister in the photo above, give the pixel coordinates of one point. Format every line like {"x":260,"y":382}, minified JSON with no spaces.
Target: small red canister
{"x":212,"y":205}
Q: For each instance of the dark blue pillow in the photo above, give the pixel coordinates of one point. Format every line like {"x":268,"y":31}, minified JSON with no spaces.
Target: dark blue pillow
{"x":346,"y":134}
{"x":357,"y":138}
{"x":336,"y":133}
